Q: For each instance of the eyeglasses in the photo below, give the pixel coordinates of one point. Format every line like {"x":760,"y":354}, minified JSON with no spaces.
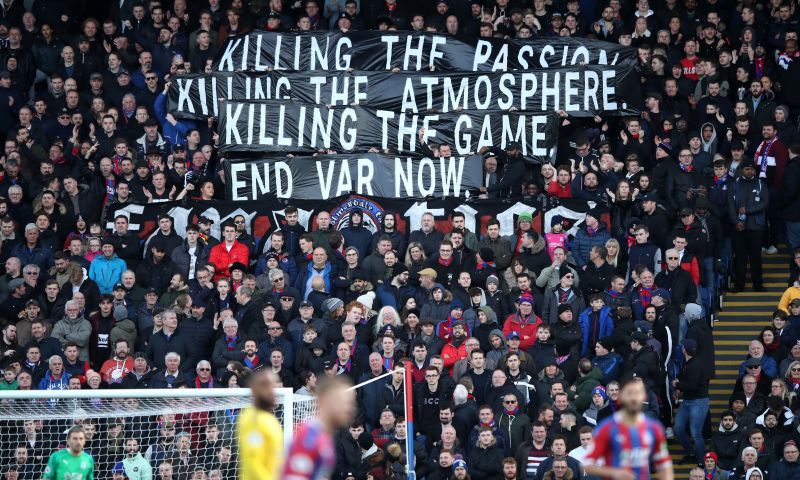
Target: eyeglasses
{"x":796,"y":369}
{"x":509,"y":402}
{"x":287,"y":299}
{"x":569,"y":276}
{"x":277,"y":279}
{"x":754,"y":367}
{"x":274,"y":328}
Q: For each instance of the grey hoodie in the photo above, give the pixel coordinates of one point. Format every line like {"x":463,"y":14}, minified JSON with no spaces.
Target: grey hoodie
{"x":496,"y":354}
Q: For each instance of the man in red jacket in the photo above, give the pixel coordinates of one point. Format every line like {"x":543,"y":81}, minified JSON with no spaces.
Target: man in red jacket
{"x":524,"y":322}
{"x":228,"y":252}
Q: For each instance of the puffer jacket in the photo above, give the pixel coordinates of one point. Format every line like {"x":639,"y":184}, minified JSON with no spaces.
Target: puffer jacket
{"x":123,"y":329}
{"x":106,"y":272}
{"x":584,"y":242}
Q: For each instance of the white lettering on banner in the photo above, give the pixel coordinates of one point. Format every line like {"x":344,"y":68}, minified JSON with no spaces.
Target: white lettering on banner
{"x":309,"y":52}
{"x":506,"y":217}
{"x":412,"y":178}
{"x":415,"y":211}
{"x":542,"y":91}
{"x":469,"y":216}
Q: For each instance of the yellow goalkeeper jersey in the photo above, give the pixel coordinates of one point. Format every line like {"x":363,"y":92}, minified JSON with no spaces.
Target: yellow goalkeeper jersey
{"x":260,"y":445}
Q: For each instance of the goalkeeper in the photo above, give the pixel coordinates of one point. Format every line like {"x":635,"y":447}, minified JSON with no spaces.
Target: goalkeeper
{"x":71,"y":463}
{"x":259,"y":432}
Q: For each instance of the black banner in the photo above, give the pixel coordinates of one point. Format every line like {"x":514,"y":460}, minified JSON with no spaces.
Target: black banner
{"x":326,"y":176}
{"x":265,"y":216}
{"x":281,"y":126}
{"x":581,"y":91}
{"x":408,"y":51}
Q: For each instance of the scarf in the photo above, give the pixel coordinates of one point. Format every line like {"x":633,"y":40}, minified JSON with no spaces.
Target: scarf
{"x":445,"y":263}
{"x":759,"y":61}
{"x":388,"y":363}
{"x":613,"y":294}
{"x":719,"y":181}
{"x":793,"y":381}
{"x":591,"y":231}
{"x":631,"y":241}
{"x":230,"y":342}
{"x":512,"y":411}
{"x":346,"y":367}
{"x":487,"y":424}
{"x":635,"y":137}
{"x":763,"y":152}
{"x":353,"y":347}
{"x":710,"y":475}
{"x":560,"y":360}
{"x":686,"y":168}
{"x":199,"y":384}
{"x":486,"y":265}
{"x":563,"y":295}
{"x":646,"y":295}
{"x":251,"y":364}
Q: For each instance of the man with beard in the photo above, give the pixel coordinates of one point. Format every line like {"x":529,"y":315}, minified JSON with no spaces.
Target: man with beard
{"x":251,"y":359}
{"x":114,"y":369}
{"x":389,"y":228}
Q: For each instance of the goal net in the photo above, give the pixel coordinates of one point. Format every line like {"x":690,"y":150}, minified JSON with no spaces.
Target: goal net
{"x":175,"y":433}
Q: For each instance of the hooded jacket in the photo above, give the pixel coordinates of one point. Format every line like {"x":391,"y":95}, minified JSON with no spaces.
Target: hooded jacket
{"x":106,"y":272}
{"x":497,"y":353}
{"x":357,"y":236}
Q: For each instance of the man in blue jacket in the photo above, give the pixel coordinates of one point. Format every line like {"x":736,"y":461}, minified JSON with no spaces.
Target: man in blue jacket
{"x":106,"y":269}
{"x":596,"y":323}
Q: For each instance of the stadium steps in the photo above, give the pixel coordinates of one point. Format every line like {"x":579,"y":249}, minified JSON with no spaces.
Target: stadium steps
{"x":741,"y":319}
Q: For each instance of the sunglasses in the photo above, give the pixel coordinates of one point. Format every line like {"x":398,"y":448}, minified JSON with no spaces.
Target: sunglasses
{"x":509,"y":402}
{"x":204,"y":369}
{"x":672,"y":258}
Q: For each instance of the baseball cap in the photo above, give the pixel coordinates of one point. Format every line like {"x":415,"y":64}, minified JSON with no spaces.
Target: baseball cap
{"x":428,"y":272}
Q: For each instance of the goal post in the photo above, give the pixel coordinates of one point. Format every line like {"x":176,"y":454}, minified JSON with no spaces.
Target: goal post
{"x":189,"y":429}
{"x":182,"y":430}
{"x":63,"y":404}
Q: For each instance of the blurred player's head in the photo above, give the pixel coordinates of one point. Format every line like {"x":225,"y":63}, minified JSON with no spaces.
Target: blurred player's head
{"x":633,"y":395}
{"x":336,"y":402}
{"x":262,"y":385}
{"x":76,"y":439}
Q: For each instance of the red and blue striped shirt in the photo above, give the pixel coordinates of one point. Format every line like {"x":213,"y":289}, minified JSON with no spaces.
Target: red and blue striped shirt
{"x":618,"y":445}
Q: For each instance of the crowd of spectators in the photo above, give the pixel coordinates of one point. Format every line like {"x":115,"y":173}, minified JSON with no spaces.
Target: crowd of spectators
{"x":517,"y":343}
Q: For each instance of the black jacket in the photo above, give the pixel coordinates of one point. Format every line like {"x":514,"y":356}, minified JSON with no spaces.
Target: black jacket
{"x":727,"y":444}
{"x":680,"y":284}
{"x":160,"y":345}
{"x":486,"y":463}
{"x":788,"y":199}
{"x":693,"y":381}
{"x":596,"y":279}
{"x":645,"y":364}
{"x":510,"y":176}
{"x":700,"y":331}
